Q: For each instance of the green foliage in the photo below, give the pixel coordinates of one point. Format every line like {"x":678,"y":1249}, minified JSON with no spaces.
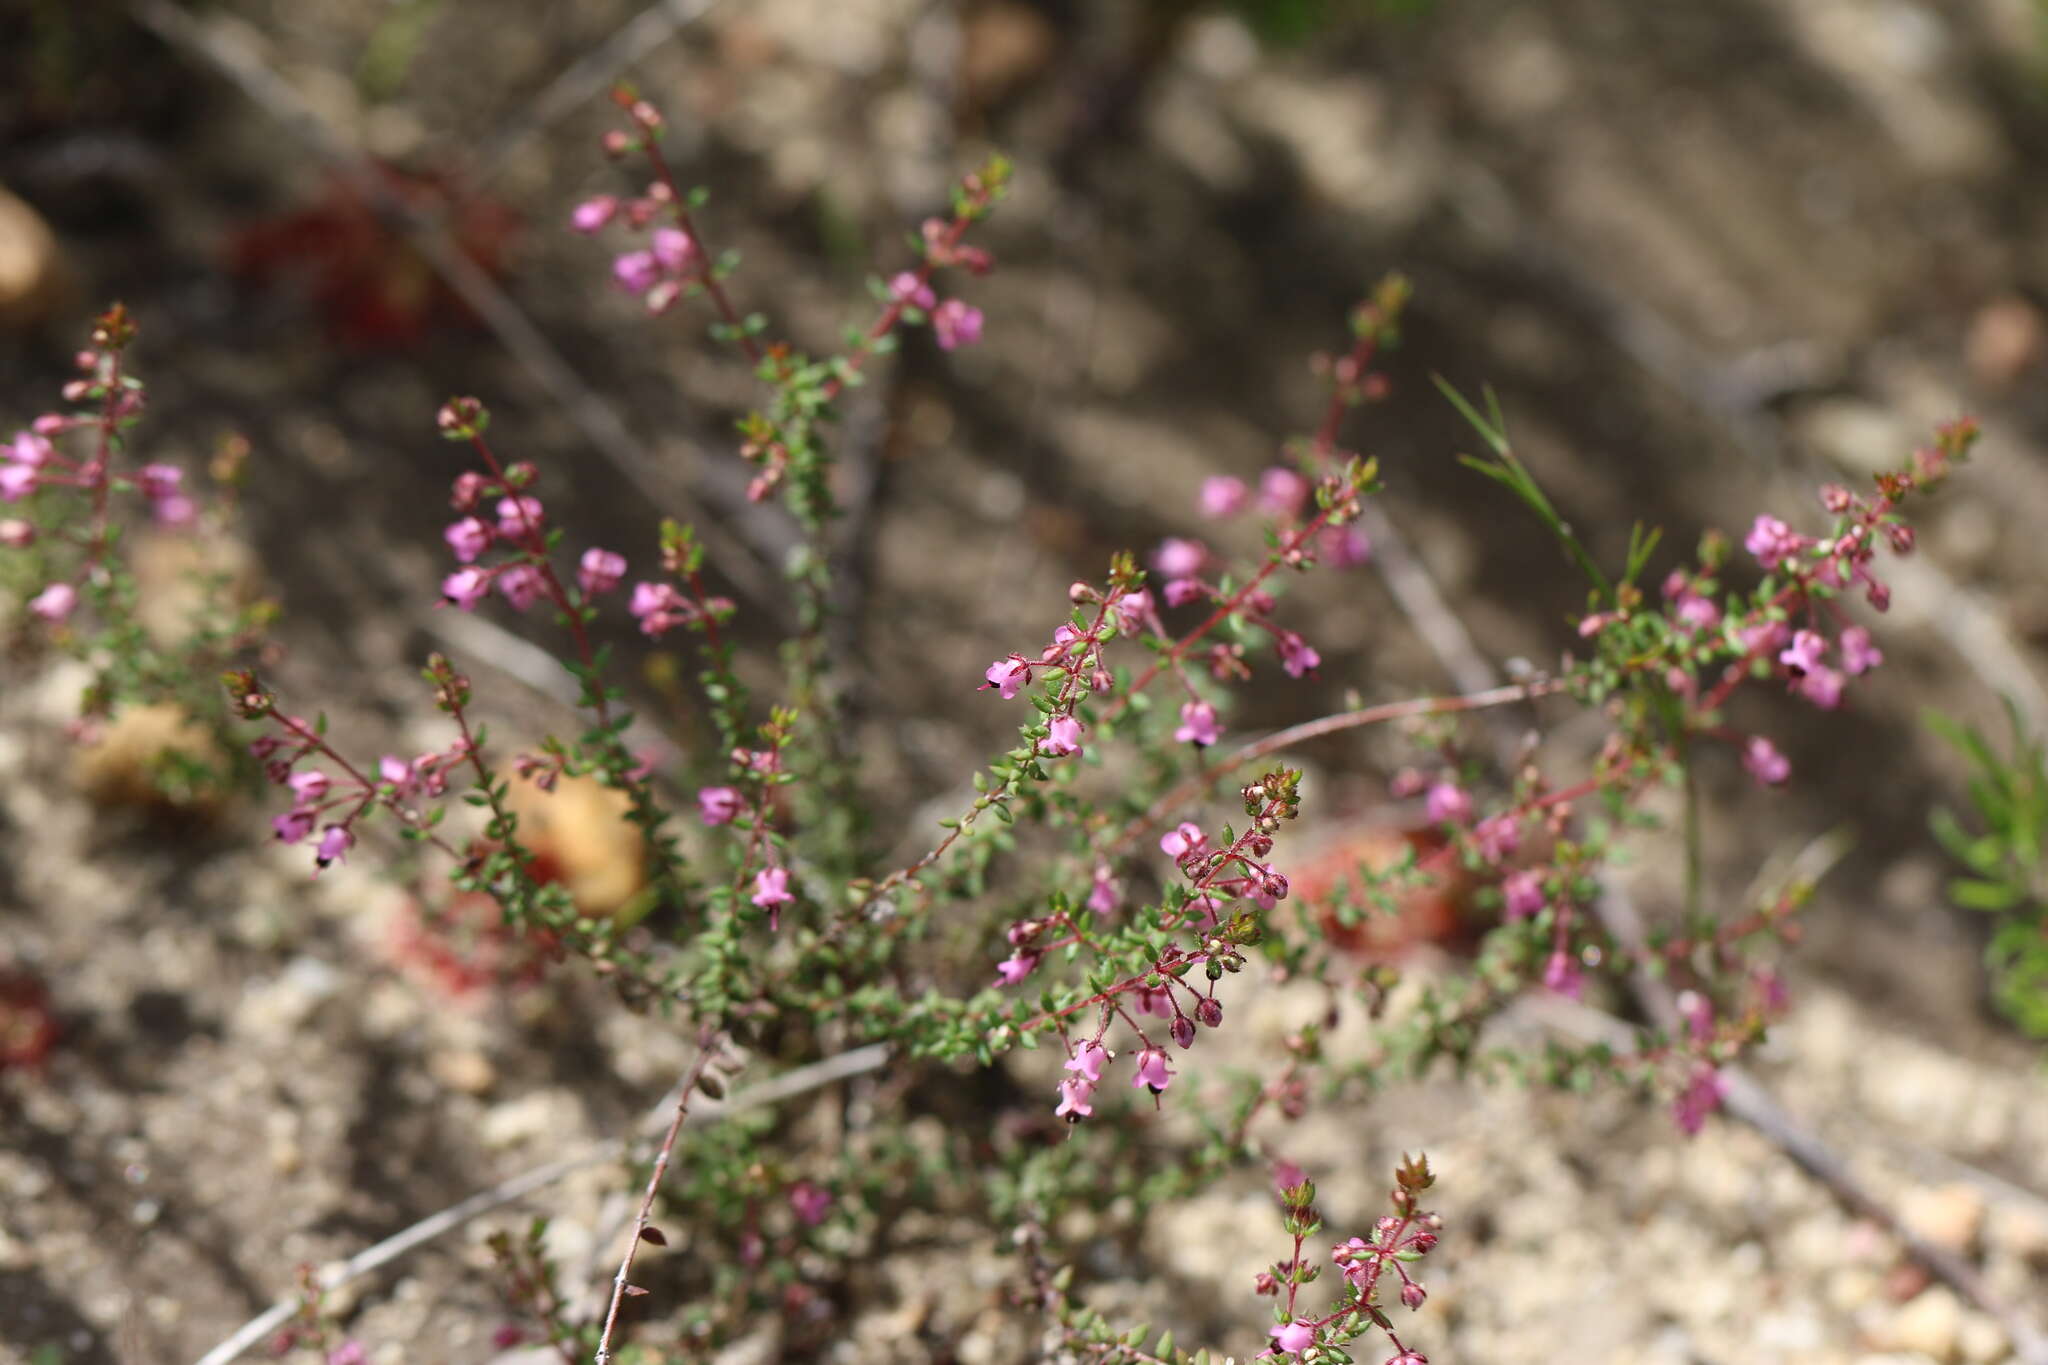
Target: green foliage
{"x":2005,"y":876}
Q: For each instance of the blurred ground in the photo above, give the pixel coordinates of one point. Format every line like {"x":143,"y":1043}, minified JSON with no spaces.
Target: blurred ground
{"x":1707,"y":255}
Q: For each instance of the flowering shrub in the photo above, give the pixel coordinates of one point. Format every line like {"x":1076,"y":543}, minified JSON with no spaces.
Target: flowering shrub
{"x":1091,"y":900}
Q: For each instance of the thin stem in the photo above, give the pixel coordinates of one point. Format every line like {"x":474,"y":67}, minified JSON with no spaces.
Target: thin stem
{"x":707,"y":1041}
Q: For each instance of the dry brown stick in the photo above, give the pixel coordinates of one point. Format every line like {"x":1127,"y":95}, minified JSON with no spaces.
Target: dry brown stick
{"x":232,"y":52}
{"x":708,"y":1045}
{"x":1745,"y":1098}
{"x":838,"y":1067}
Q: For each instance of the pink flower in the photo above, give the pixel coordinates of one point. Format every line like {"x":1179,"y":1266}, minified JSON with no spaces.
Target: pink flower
{"x":1859,"y":655}
{"x":810,"y":1201}
{"x":1282,"y":491}
{"x":521,"y":585}
{"x":1297,"y":655}
{"x":1805,"y":652}
{"x":599,"y":571}
{"x":350,"y":1352}
{"x":718,"y":805}
{"x":1088,"y":1060}
{"x":1006,"y":676}
{"x":1345,"y":547}
{"x":159,"y":480}
{"x":1772,"y":541}
{"x":1523,"y":893}
{"x":1699,"y":1015}
{"x":17,"y":481}
{"x":1015,"y":967}
{"x":1447,"y":803}
{"x":1131,"y":609}
{"x":1152,"y":1071}
{"x":1178,"y":592}
{"x":335,"y":842}
{"x":1561,"y":974}
{"x":467,"y":538}
{"x":1697,"y":612}
{"x":1152,"y":1001}
{"x":395,"y":770}
{"x":1222,"y":496}
{"x":1287,"y":1176}
{"x":1763,"y":636}
{"x":1182,"y":840}
{"x":673,"y":249}
{"x":657,"y":606}
{"x":1292,"y":1338}
{"x":293,"y":825}
{"x":1498,"y":836}
{"x":1822,"y":687}
{"x":17,"y":534}
{"x":1065,"y":737}
{"x":519,"y":517}
{"x":1075,"y":1094}
{"x":592,"y":214}
{"x":906,"y":288}
{"x":175,"y":510}
{"x":771,"y":891}
{"x":1763,"y":762}
{"x":956,"y":324}
{"x":55,"y":602}
{"x":308,"y":786}
{"x":1102,"y":896}
{"x":1701,"y":1097}
{"x":29,"y":448}
{"x":1177,"y":558}
{"x":636,"y":271}
{"x":1197,"y":724}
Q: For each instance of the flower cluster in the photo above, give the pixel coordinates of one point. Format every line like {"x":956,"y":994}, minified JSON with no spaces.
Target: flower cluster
{"x":34,"y":460}
{"x":1218,"y":876}
{"x":954,"y":323}
{"x":1283,"y":495}
{"x":1075,"y":657}
{"x":1399,"y":1239}
{"x":319,"y":800}
{"x":497,"y":512}
{"x":672,"y":264}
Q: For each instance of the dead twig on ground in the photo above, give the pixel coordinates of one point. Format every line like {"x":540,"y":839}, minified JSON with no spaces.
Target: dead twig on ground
{"x":1746,"y":1099}
{"x":709,"y":1046}
{"x":817,"y":1075}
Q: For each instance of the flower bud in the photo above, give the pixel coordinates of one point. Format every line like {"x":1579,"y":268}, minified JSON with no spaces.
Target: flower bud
{"x":1183,"y":1030}
{"x":1412,"y":1295}
{"x":1209,"y":1011}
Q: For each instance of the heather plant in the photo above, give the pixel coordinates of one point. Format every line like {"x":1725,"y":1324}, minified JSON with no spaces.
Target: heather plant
{"x":1115,"y":890}
{"x":75,"y":495}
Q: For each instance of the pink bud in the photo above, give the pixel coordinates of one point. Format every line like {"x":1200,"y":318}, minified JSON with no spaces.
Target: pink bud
{"x":592,"y":214}
{"x":55,"y":602}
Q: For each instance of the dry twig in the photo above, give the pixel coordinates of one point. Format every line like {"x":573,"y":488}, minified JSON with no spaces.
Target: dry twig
{"x":817,"y":1075}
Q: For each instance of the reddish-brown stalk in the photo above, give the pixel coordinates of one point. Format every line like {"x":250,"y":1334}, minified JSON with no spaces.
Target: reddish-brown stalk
{"x":317,"y":744}
{"x":707,"y":1040}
